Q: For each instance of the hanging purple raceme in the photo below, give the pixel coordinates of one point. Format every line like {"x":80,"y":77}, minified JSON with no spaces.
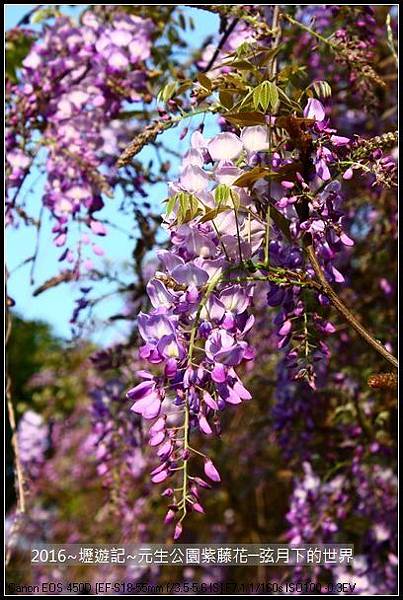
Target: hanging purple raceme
{"x":89,"y":72}
{"x":313,"y":208}
{"x":116,"y":435}
{"x":197,"y":328}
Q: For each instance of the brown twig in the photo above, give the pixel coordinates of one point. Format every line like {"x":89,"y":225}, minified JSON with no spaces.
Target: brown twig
{"x":224,"y":38}
{"x":344,"y":311}
{"x":64,"y":277}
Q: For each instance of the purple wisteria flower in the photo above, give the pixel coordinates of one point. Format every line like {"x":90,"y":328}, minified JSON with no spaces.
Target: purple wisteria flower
{"x":64,"y":84}
{"x":314,"y":110}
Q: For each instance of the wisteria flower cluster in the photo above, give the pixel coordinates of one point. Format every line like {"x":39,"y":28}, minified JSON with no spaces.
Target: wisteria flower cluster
{"x":90,"y":71}
{"x":198,"y":325}
{"x":260,"y":313}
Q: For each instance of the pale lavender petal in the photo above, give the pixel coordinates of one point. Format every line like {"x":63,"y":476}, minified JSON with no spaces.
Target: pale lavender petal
{"x":158,"y":294}
{"x":159,"y":425}
{"x":241,"y":391}
{"x":347,"y":241}
{"x":314,"y":110}
{"x":190,"y":274}
{"x":227,"y":174}
{"x":225,"y":146}
{"x":255,"y":138}
{"x":339,"y":140}
{"x":169,"y":259}
{"x":193,"y":179}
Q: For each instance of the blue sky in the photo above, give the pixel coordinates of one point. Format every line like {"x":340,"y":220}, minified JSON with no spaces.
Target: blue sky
{"x":56,"y":305}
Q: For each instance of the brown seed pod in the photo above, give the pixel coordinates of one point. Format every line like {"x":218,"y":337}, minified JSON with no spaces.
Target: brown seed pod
{"x":383,"y":381}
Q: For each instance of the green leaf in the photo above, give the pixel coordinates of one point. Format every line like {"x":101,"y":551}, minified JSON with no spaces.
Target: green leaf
{"x":244,"y":49}
{"x":188,"y":207}
{"x":17,"y":49}
{"x":226,"y":99}
{"x":272,"y":95}
{"x":265,"y":56}
{"x":43,"y":14}
{"x":266,"y":96}
{"x":239,"y":64}
{"x":167,"y":91}
{"x":171,"y":202}
{"x":183,"y":87}
{"x":222,"y":193}
{"x":256,"y":97}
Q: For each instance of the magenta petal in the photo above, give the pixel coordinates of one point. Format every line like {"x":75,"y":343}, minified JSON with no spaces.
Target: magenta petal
{"x":178,"y":531}
{"x":169,"y":517}
{"x":199,"y":481}
{"x":285,"y":328}
{"x":165,"y":450}
{"x":209,"y":400}
{"x":161,"y":467}
{"x":171,"y":368}
{"x":250,"y":353}
{"x":141,"y":390}
{"x":159,"y":425}
{"x":98,"y":228}
{"x":159,"y":477}
{"x":218,"y":374}
{"x":338,"y":277}
{"x":148,"y":407}
{"x":242,"y":391}
{"x":204,"y":425}
{"x":329,"y":327}
{"x":232,"y":397}
{"x":347,"y":241}
{"x":156,"y":439}
{"x":211,"y":471}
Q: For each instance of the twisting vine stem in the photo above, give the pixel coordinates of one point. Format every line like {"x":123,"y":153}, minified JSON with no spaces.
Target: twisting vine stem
{"x":344,"y":311}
